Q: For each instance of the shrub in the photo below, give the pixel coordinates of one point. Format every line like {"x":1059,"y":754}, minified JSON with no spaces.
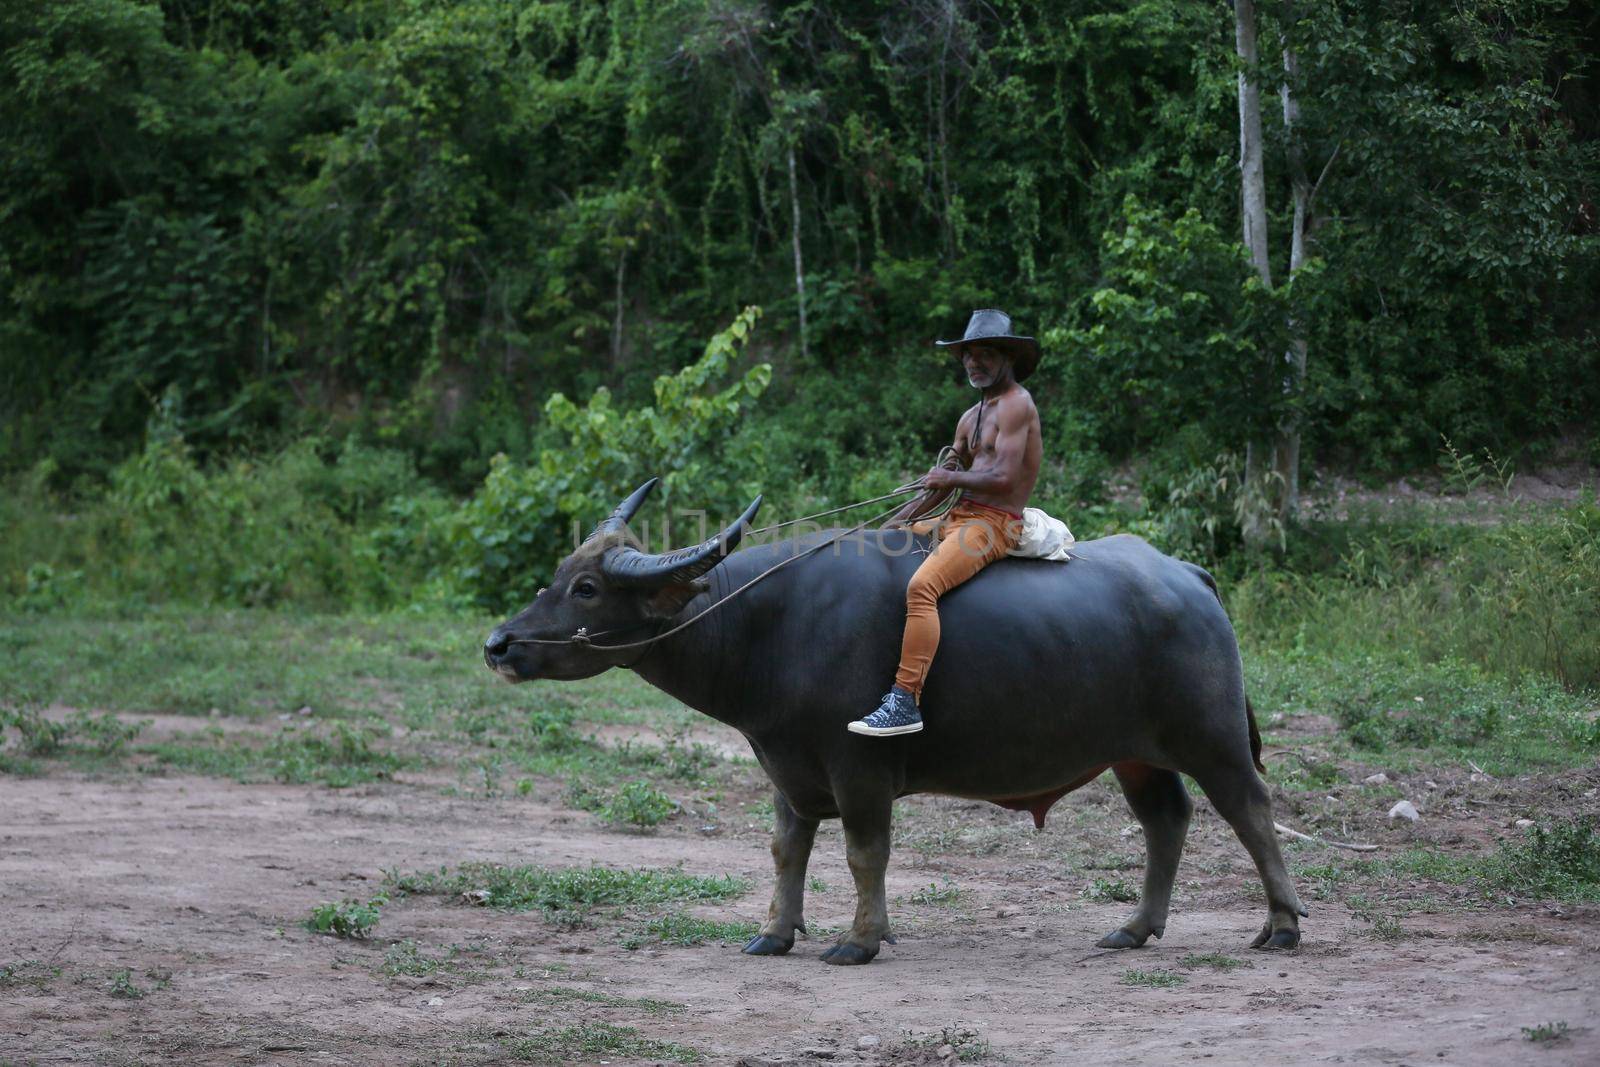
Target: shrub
{"x":1560,"y":859}
{"x":505,"y":541}
{"x":348,"y":918}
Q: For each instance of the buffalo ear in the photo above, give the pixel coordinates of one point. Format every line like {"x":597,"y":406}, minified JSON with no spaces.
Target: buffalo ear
{"x":670,"y":599}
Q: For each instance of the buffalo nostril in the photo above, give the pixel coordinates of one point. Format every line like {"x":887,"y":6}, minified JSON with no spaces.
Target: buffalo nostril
{"x":496,"y":646}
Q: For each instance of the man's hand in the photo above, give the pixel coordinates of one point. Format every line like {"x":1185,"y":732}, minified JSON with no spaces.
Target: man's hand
{"x":939,"y":478}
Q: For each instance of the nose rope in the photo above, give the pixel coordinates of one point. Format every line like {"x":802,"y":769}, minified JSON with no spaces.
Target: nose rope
{"x":585,"y":638}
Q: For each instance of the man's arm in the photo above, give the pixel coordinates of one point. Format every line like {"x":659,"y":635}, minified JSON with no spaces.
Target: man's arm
{"x":1001,"y":476}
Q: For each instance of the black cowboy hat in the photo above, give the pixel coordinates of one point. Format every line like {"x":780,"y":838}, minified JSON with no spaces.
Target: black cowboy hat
{"x":994,"y":328}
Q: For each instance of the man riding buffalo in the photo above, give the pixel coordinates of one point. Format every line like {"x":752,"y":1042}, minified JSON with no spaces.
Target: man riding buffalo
{"x":998,"y":449}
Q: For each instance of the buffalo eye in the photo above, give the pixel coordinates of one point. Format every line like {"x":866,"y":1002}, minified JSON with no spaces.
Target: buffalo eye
{"x":585,"y":588}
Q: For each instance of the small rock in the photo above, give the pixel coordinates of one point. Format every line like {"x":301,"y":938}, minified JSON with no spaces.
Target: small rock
{"x":945,"y":1052}
{"x":1523,"y":824}
{"x":1431,"y":785}
{"x":214,"y":712}
{"x":1404,"y":810}
{"x":304,"y":710}
{"x":866,"y":1041}
{"x":283,"y":717}
{"x":1129,"y":831}
{"x":434,"y":1002}
{"x":1004,"y":913}
{"x":1375,"y":779}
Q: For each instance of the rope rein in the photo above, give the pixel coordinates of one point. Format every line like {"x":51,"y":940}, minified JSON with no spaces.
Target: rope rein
{"x":584,"y":637}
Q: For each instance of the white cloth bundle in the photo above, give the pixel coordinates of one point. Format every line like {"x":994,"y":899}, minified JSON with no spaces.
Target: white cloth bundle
{"x":1043,"y":537}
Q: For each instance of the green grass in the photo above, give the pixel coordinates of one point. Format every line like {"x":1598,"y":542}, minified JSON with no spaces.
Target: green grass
{"x":637,"y":805}
{"x":562,"y":994}
{"x":123,"y":987}
{"x":1111,"y":890}
{"x":30,"y":974}
{"x":969,"y":1045}
{"x":1557,"y":859}
{"x":1545,"y":1033}
{"x":1393,"y":707}
{"x":337,"y":755}
{"x":941,"y":896}
{"x":1157,"y":979}
{"x":1512,"y":600}
{"x":406,"y":958}
{"x":355,"y":919}
{"x":563,"y":893}
{"x":1215,"y":960}
{"x":590,"y":1040}
{"x":676,"y":928}
{"x":87,"y":741}
{"x":421,"y":670}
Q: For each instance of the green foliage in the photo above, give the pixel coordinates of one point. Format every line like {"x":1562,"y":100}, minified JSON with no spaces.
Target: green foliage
{"x":1545,"y":1033}
{"x":1109,"y":890}
{"x":1173,"y":336}
{"x":936,"y":895}
{"x":589,"y":1040}
{"x":300,"y":217}
{"x":30,"y":973}
{"x":340,"y":756}
{"x":970,"y":1046}
{"x":638,"y":804}
{"x":347,"y":918}
{"x":1215,"y":960}
{"x":123,"y":987}
{"x":1520,"y":598}
{"x":566,"y":893}
{"x":79,"y":731}
{"x":507,"y":539}
{"x":313,"y":525}
{"x":406,"y":958}
{"x":1558,"y":859}
{"x":1156,"y":979}
{"x":677,"y":928}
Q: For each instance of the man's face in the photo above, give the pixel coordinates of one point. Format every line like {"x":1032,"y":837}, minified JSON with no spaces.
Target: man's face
{"x":984,"y":364}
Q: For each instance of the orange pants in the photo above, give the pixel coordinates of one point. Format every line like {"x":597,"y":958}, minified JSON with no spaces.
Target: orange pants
{"x":971,"y":536}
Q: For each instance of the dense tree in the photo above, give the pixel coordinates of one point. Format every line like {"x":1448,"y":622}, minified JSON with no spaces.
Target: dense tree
{"x":416,"y":220}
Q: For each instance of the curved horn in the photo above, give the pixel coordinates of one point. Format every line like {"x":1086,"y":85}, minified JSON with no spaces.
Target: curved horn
{"x":624,"y":511}
{"x":626,"y":565}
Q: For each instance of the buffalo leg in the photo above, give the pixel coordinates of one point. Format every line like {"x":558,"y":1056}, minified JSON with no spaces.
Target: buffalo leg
{"x":866,"y":848}
{"x":1241,"y":797}
{"x":792,"y":836}
{"x":1163,"y":808}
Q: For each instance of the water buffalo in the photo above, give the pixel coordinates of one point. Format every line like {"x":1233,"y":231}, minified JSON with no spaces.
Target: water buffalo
{"x":1048,"y":674}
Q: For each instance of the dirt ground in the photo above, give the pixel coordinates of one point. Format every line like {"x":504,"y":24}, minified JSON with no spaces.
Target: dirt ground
{"x":193,"y":890}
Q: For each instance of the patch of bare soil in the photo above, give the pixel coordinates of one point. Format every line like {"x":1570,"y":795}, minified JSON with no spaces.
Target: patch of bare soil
{"x":152,"y":919}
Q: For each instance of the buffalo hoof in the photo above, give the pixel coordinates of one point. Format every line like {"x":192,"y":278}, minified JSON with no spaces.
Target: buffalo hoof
{"x":848,"y":954}
{"x":768,"y":945}
{"x":1288,"y":937}
{"x":1121,"y":939}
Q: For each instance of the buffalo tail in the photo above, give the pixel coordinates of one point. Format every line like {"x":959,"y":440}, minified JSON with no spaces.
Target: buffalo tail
{"x":1255,"y":736}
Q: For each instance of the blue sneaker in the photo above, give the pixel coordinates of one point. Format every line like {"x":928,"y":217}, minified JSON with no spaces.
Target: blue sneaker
{"x":896,"y":715}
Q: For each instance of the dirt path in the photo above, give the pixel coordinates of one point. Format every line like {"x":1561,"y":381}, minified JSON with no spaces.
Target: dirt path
{"x":195,"y":888}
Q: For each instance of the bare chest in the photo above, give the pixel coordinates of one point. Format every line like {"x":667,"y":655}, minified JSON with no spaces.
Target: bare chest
{"x":983,"y":430}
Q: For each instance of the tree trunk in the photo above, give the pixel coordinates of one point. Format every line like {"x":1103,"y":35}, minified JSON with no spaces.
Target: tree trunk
{"x":947,"y":18}
{"x":1288,"y":446}
{"x":799,"y":264}
{"x":1253,"y":202}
